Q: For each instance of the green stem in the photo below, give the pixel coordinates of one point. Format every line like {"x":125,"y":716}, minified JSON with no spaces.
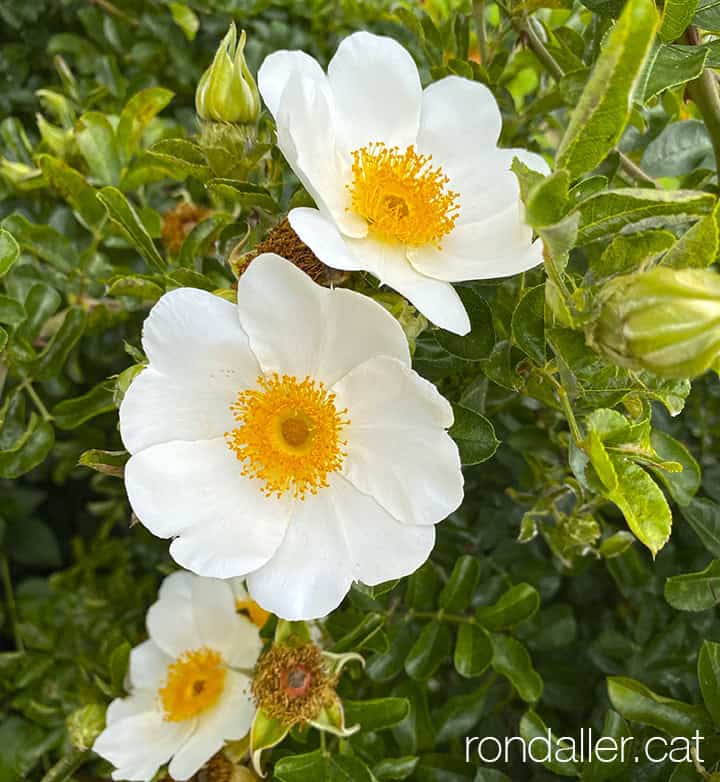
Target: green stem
{"x":704,"y":92}
{"x":28,"y":386}
{"x":66,"y":766}
{"x":479,"y":17}
{"x":441,"y":616}
{"x":10,"y":598}
{"x":634,"y":170}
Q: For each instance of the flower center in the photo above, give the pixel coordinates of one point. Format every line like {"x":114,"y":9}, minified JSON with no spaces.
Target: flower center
{"x":288,"y":434}
{"x":257,"y":615}
{"x":296,"y":681}
{"x":401,"y":195}
{"x":195,"y":682}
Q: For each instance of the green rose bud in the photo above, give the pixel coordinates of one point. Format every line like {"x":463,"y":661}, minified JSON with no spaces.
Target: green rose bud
{"x":85,"y":725}
{"x":227,"y":91}
{"x":665,"y":321}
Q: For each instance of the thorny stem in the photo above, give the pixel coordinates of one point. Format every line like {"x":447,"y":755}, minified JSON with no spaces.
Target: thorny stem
{"x":704,"y":92}
{"x":10,"y":598}
{"x":66,"y":766}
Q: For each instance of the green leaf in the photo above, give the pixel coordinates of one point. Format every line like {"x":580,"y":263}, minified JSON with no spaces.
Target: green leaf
{"x":123,"y":214}
{"x":707,"y":15}
{"x":244,"y":194}
{"x":43,"y":241}
{"x":185,"y":18}
{"x":528,"y":324}
{"x":473,"y":651}
{"x":392,"y":769}
{"x":511,"y":659}
{"x":560,"y":753}
{"x":474,"y":435}
{"x":546,"y":202}
{"x":95,"y":138}
{"x":479,"y":342}
{"x":670,"y":66}
{"x":600,"y":768}
{"x":639,"y":704}
{"x":376,"y":714}
{"x":320,"y":767}
{"x":709,"y":678}
{"x":51,"y":361}
{"x":9,"y":252}
{"x":106,"y":462}
{"x":695,"y":591}
{"x":682,"y":486}
{"x":74,"y":188}
{"x":517,"y":605}
{"x":628,"y":253}
{"x":606,"y":214}
{"x":680,"y":149}
{"x":12,"y":311}
{"x":32,"y":543}
{"x":71,"y":413}
{"x":29,"y":450}
{"x":458,"y":592}
{"x":698,"y":247}
{"x":118,"y":666}
{"x":677,"y":15}
{"x":598,"y":120}
{"x":181,"y":158}
{"x":432,"y":648}
{"x":703,"y":515}
{"x":642,"y":503}
{"x":139,"y":111}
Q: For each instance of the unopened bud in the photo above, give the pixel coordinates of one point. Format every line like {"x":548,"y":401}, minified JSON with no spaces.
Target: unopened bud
{"x":227,"y":91}
{"x":665,"y":321}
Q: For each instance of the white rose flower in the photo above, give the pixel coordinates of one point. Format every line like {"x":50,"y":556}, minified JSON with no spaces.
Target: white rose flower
{"x":287,"y":440}
{"x":187,"y":694}
{"x":409,"y":183}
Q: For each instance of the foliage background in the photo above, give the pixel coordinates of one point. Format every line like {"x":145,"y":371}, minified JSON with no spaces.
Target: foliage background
{"x":538,"y":604}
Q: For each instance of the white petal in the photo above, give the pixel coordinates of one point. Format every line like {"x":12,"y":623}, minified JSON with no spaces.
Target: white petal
{"x":306,"y":137}
{"x":171,"y":625}
{"x":300,"y":328}
{"x":137,"y":703}
{"x":177,"y":584}
{"x":228,"y":527}
{"x":276,"y":71}
{"x":381,"y":547}
{"x":377,"y":91}
{"x":397,"y":448}
{"x":459,"y":127}
{"x":340,"y":536}
{"x":158,"y":408}
{"x":193,"y":334}
{"x":312,"y":570}
{"x":137,"y":746}
{"x":388,"y":262}
{"x":148,"y":666}
{"x":220,"y":627}
{"x":230,"y":720}
{"x":499,"y":246}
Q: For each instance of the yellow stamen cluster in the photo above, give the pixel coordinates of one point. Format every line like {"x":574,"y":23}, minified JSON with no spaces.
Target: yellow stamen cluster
{"x":195,"y":682}
{"x":401,"y":195}
{"x":288,"y":434}
{"x":255,"y":613}
{"x":292,"y":684}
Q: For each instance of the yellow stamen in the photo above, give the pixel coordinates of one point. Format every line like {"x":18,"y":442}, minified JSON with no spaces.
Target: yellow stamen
{"x":401,"y":195}
{"x":289,"y":434}
{"x":255,"y":613}
{"x":195,"y":682}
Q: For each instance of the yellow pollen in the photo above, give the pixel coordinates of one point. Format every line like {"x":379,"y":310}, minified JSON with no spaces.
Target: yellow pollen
{"x":195,"y":682}
{"x":288,"y":434}
{"x":401,"y":195}
{"x":255,"y":613}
